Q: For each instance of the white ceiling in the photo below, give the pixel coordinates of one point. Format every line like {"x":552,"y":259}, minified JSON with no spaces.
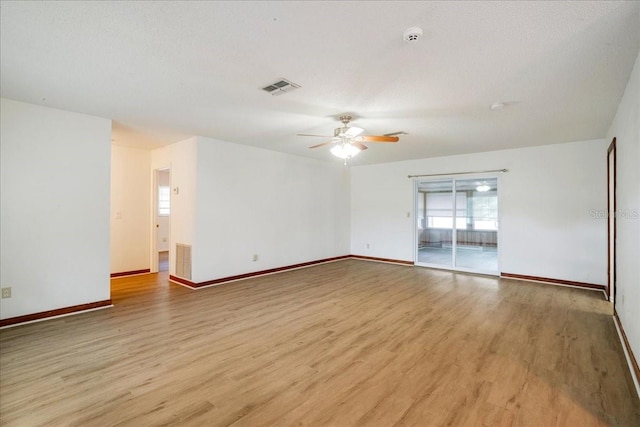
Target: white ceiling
{"x":167,"y":70}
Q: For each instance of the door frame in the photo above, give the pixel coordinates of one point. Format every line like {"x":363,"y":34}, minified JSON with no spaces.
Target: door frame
{"x":611,"y":222}
{"x":153,"y":245}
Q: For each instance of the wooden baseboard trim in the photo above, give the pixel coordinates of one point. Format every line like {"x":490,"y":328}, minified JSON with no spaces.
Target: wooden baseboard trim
{"x":631,"y":358}
{"x":197,"y":285}
{"x":181,"y":281}
{"x":387,"y":260}
{"x":131,"y":273}
{"x":75,"y":309}
{"x":583,"y":285}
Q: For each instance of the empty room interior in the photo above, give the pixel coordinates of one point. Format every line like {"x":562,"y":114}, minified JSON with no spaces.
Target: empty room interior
{"x":369,"y":213}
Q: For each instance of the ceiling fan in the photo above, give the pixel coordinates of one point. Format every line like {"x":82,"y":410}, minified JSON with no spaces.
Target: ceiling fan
{"x":347,"y":140}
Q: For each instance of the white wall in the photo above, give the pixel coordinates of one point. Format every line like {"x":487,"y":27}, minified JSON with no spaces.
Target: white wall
{"x":130,"y":204}
{"x":626,"y":129}
{"x":284,"y":208}
{"x":547,"y":199}
{"x":182,"y":159}
{"x":54,"y":219}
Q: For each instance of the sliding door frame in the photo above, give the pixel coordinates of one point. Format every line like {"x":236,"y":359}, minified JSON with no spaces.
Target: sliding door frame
{"x":416,"y":236}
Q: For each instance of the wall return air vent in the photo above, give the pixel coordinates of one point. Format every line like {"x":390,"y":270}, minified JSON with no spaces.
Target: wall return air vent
{"x":183,"y":261}
{"x":280,"y":87}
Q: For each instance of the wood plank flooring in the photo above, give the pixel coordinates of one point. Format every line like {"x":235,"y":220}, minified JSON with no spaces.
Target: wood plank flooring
{"x":339,"y":344}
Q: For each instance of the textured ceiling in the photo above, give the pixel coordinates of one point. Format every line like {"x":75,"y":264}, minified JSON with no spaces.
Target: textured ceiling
{"x":167,"y":70}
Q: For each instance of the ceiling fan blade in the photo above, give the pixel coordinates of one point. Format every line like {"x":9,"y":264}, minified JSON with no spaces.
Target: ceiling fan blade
{"x":396,"y":133}
{"x":353,"y":131}
{"x":308,"y":134}
{"x":322,"y":145}
{"x":360,"y":145}
{"x":378,"y":138}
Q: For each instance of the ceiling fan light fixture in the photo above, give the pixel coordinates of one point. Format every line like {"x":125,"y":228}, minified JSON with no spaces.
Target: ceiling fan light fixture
{"x":345,"y":151}
{"x":347,"y":141}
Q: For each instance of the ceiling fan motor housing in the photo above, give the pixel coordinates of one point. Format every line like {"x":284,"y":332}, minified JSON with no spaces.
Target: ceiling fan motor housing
{"x":340,"y":131}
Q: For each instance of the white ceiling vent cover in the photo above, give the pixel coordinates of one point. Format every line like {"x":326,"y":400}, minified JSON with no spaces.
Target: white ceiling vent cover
{"x":280,"y":87}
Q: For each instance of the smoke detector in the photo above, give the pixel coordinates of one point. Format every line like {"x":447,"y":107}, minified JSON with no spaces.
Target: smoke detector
{"x":412,"y":35}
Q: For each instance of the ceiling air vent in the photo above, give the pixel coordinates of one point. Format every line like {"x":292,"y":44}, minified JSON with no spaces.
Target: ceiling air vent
{"x":280,"y":87}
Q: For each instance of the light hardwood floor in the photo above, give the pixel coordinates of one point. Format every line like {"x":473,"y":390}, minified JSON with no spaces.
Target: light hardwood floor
{"x":345,"y":343}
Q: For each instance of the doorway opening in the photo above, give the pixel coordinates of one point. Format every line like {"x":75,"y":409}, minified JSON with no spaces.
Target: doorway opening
{"x":161,"y":242}
{"x":457,"y":224}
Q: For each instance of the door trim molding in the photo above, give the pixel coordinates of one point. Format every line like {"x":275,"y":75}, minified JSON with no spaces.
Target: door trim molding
{"x":611,"y":221}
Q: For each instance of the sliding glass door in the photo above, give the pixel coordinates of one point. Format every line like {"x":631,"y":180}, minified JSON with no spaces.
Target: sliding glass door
{"x":457,"y":224}
{"x":435,"y":219}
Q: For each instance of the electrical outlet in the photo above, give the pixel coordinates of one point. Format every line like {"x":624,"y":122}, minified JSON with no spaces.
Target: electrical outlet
{"x":255,"y":257}
{"x":6,"y":292}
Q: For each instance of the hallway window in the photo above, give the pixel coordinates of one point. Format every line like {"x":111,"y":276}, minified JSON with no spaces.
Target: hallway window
{"x":164,"y":202}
